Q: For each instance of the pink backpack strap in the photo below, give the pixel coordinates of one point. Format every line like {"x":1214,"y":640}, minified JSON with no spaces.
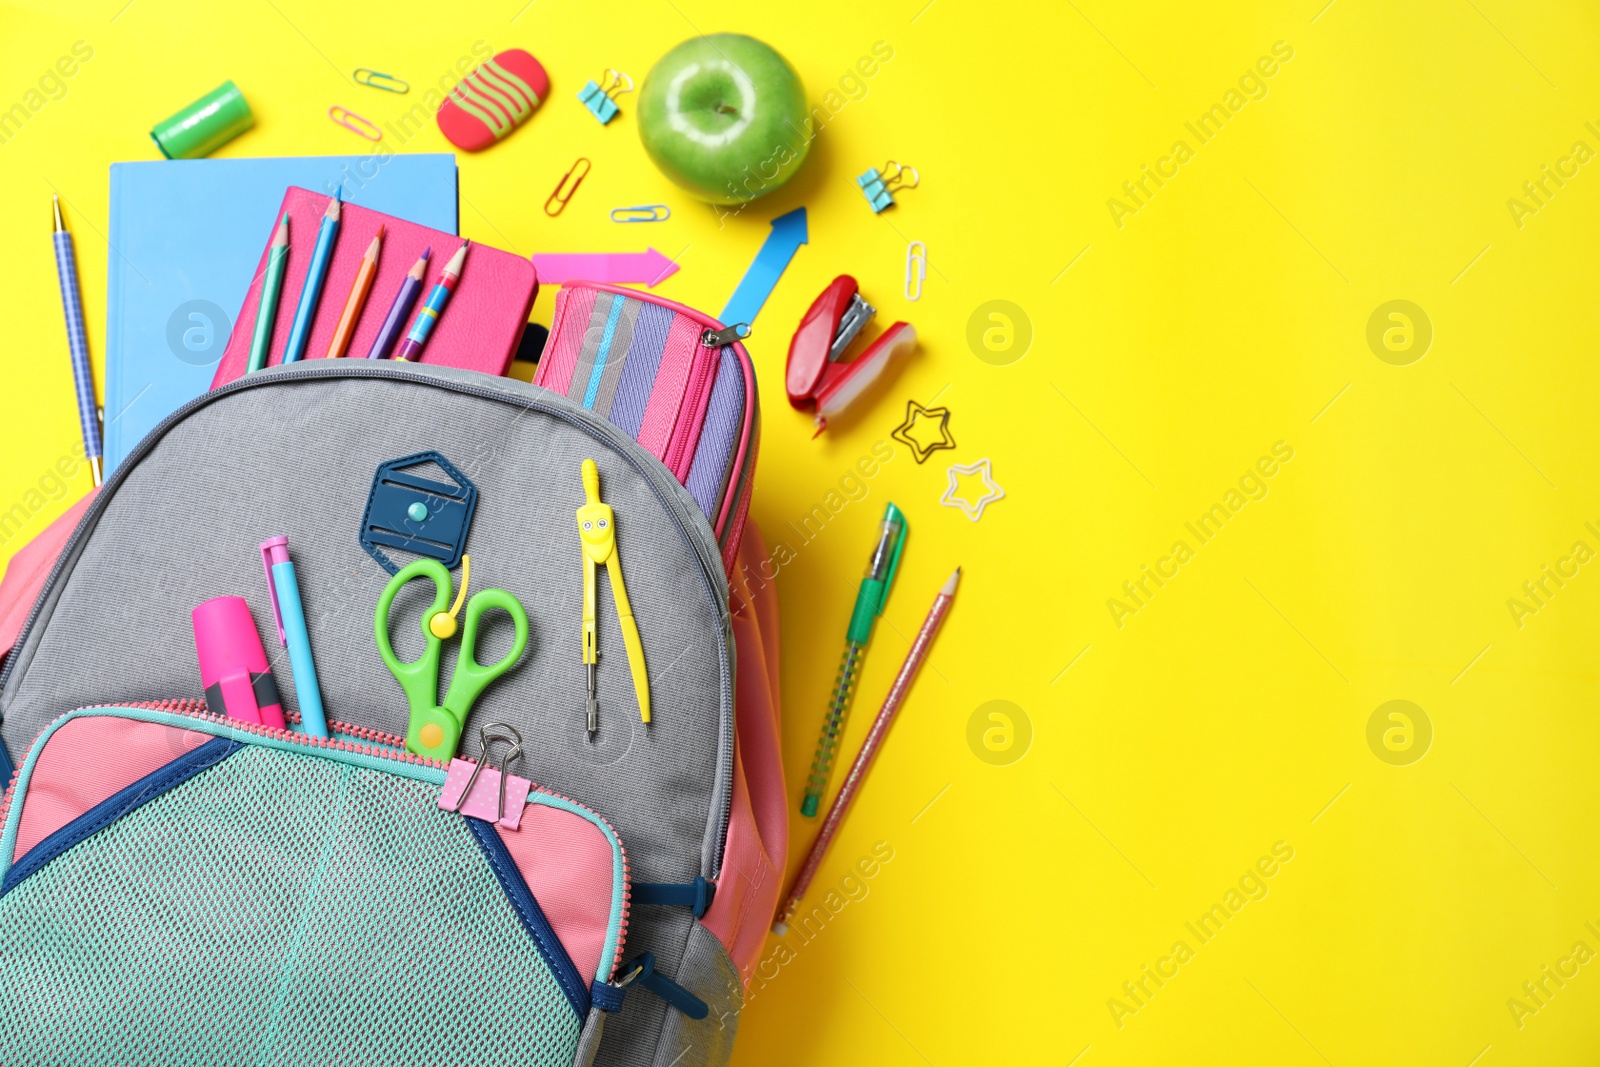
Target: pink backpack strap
{"x":758,"y":832}
{"x":28,"y":569}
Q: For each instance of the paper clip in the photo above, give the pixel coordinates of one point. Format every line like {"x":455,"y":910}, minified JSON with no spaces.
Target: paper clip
{"x":377,"y":79}
{"x":355,"y":123}
{"x":973,"y":509}
{"x":601,"y":99}
{"x":641,"y":213}
{"x":486,"y":736}
{"x":916,"y":269}
{"x":577,"y":177}
{"x":878,"y":185}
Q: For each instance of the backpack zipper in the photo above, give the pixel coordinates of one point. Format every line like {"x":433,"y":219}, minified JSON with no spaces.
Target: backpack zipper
{"x":668,"y":491}
{"x":392,"y":748}
{"x":184,"y":706}
{"x":734,"y":534}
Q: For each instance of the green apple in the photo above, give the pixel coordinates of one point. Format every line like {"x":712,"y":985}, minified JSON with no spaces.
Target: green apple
{"x":724,"y":117}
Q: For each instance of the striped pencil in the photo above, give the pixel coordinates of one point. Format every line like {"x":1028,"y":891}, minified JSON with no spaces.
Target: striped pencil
{"x":869,"y":751}
{"x":428,"y":317}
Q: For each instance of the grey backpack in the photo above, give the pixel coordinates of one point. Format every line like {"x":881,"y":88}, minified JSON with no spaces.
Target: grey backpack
{"x":297,"y":451}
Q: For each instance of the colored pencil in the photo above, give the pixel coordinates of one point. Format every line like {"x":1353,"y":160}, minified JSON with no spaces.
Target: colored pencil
{"x":357,"y":298}
{"x":869,"y":751}
{"x":394,"y":323}
{"x":271,"y":290}
{"x":428,"y":317}
{"x":77,"y":340}
{"x":311,"y":292}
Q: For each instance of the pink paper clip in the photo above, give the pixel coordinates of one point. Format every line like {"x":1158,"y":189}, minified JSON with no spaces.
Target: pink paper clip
{"x":500,"y":796}
{"x":355,"y":123}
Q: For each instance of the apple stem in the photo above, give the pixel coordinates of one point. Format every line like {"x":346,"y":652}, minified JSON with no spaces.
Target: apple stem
{"x":724,"y":109}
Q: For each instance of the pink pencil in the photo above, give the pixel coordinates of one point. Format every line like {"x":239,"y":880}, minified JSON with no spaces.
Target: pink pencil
{"x":869,"y":751}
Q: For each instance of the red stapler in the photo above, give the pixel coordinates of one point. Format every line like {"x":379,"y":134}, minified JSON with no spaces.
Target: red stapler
{"x":815,"y":378}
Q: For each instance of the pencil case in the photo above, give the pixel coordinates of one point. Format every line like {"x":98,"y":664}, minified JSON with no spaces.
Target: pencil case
{"x":180,"y":888}
{"x":656,"y":369}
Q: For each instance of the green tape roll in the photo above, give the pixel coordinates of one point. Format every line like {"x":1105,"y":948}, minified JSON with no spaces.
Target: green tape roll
{"x":205,"y":125}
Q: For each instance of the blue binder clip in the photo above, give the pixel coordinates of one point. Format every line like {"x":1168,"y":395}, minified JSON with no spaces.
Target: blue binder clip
{"x":419,"y":515}
{"x":601,"y":99}
{"x":878,"y":186}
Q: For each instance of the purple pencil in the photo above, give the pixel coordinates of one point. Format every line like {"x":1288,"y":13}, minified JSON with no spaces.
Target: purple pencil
{"x":394,"y":323}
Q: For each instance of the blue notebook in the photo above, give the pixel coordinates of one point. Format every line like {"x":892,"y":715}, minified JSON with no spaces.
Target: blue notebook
{"x":186,"y":238}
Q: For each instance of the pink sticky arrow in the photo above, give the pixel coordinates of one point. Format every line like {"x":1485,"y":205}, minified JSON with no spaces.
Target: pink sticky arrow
{"x":649,"y":267}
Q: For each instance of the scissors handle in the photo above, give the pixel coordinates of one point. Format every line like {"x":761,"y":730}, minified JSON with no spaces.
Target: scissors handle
{"x":471,"y":677}
{"x":420,"y":678}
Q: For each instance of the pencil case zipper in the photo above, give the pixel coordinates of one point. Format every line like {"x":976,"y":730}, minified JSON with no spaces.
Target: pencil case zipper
{"x":696,"y":394}
{"x":702,"y":375}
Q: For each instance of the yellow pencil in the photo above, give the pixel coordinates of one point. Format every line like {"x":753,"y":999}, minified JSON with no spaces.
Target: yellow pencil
{"x":357,"y":299}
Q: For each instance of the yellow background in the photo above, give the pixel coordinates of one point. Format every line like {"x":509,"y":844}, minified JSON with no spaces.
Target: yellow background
{"x":1229,"y":313}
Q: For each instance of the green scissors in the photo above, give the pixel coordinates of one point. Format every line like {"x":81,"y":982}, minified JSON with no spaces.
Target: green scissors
{"x":434,"y":729}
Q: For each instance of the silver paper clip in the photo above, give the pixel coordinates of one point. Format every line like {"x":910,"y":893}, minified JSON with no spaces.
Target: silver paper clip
{"x":916,"y":269}
{"x":641,"y":213}
{"x":494,"y":731}
{"x":377,"y":79}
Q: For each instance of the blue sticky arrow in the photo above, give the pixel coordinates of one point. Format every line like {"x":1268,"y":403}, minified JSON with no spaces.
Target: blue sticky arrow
{"x":788,"y":234}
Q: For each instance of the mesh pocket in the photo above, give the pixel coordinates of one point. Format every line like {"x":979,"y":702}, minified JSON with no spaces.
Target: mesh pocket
{"x":278,"y":908}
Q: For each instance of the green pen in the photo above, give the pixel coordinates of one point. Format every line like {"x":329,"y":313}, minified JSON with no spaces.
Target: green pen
{"x":869,"y":605}
{"x":271,"y":287}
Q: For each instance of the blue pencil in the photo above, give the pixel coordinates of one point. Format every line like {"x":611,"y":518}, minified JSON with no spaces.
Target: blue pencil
{"x":77,"y":344}
{"x":311,"y":292}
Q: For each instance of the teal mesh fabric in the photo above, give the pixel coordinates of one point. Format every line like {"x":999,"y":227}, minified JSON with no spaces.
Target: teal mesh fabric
{"x":278,"y":908}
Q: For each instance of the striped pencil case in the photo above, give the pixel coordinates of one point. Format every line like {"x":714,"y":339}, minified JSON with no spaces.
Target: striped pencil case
{"x":656,"y":369}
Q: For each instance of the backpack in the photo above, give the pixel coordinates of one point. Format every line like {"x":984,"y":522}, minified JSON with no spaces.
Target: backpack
{"x":662,"y":871}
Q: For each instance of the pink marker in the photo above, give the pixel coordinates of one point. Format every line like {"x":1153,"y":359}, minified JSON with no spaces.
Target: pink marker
{"x":233,"y":665}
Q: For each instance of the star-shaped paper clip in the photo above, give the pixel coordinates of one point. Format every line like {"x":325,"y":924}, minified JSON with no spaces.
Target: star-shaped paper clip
{"x":991,"y":490}
{"x":916,"y":413}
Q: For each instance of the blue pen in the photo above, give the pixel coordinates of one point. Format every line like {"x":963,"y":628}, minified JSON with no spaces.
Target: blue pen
{"x":311,"y":292}
{"x":284,"y":589}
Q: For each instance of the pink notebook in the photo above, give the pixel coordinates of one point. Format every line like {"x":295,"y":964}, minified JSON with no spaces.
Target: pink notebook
{"x":479,"y":329}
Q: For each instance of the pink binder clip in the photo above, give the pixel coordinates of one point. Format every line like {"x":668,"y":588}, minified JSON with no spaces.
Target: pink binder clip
{"x":497,"y":796}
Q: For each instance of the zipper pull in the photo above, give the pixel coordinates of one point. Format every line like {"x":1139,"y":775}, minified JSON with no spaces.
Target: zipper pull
{"x":642,"y":969}
{"x":725,"y":336}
